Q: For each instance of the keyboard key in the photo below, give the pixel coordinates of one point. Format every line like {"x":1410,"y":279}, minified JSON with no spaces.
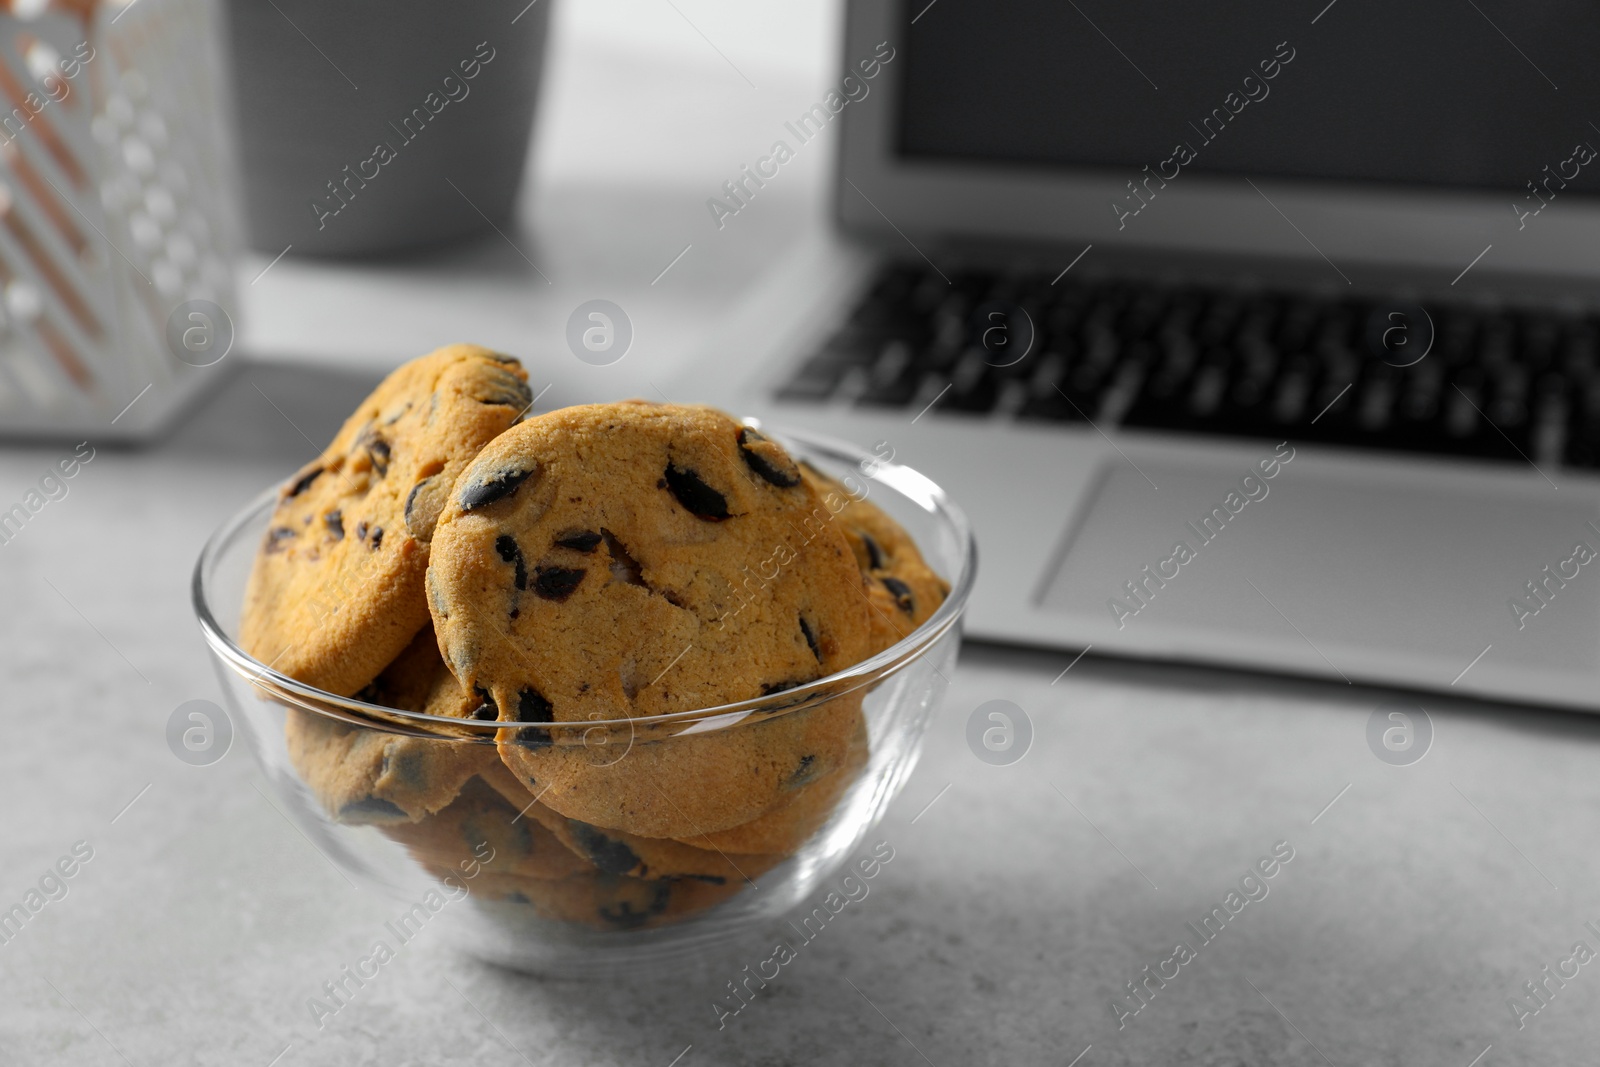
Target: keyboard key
{"x":1497,"y":385}
{"x":974,"y":387}
{"x":894,"y":377}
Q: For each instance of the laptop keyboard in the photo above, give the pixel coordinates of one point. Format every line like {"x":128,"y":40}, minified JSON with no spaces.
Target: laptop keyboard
{"x":1495,"y":384}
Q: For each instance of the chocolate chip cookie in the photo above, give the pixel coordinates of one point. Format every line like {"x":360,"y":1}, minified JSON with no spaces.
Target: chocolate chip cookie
{"x":786,"y":827}
{"x":901,"y":589}
{"x":479,"y":825}
{"x":607,"y":902}
{"x":619,"y":852}
{"x":337,"y":589}
{"x":622,"y":560}
{"x":375,"y":775}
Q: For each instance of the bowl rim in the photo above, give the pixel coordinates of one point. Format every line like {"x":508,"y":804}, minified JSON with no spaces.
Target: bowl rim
{"x":897,"y":477}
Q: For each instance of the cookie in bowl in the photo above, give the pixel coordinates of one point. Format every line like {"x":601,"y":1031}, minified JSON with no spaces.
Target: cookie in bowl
{"x":611,"y":675}
{"x":480,"y":825}
{"x":337,"y":589}
{"x":377,"y":774}
{"x":619,"y":852}
{"x":610,"y":903}
{"x":618,"y":561}
{"x":784,"y":828}
{"x":902,"y":591}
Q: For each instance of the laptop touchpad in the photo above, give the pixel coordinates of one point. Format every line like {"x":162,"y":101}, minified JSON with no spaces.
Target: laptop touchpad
{"x":1352,"y":565}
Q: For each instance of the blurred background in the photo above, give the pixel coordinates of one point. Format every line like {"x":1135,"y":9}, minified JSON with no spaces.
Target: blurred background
{"x":644,"y":111}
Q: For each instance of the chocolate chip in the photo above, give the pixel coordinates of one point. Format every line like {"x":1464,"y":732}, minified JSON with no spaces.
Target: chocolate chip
{"x":876,"y":560}
{"x":502,"y":485}
{"x":607,"y":853}
{"x":519,"y":400}
{"x":769,"y":462}
{"x":335,"y":523}
{"x":534,"y":737}
{"x":377,"y":537}
{"x":378,"y":450}
{"x":423,"y":505}
{"x":506,"y":390}
{"x":436,"y":599}
{"x":410,"y":768}
{"x":487,"y":710}
{"x":276,"y":538}
{"x":506,"y":546}
{"x":557,"y":583}
{"x":361,"y":530}
{"x":371,"y":810}
{"x":901,"y":593}
{"x":625,"y":917}
{"x":303,"y":482}
{"x":533,"y":707}
{"x":811,"y":638}
{"x":581,"y":541}
{"x":698,"y":498}
{"x":803,"y":773}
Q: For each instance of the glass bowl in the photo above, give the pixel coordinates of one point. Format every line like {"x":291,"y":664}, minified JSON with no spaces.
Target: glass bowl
{"x":515,"y":883}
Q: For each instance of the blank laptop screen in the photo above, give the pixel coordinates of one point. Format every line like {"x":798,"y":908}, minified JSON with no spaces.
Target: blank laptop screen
{"x":1481,"y":94}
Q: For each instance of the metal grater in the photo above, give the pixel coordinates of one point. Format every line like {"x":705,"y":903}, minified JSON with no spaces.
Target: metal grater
{"x":117,"y":223}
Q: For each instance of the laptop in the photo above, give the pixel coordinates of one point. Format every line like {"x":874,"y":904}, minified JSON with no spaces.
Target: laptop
{"x":1258,"y":335}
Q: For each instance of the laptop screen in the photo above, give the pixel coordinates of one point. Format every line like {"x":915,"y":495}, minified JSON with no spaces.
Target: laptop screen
{"x":1483,"y":94}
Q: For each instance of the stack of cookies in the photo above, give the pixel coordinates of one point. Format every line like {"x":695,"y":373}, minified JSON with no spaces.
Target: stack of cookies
{"x":558,"y":574}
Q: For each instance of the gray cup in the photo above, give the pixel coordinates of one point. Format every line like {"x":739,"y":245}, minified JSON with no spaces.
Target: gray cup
{"x":368,"y":128}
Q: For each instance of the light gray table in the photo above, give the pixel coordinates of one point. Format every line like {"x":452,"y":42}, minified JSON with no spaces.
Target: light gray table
{"x":1020,"y":901}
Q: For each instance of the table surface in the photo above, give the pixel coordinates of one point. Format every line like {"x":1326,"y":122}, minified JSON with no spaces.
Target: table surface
{"x":1017,"y":906}
{"x":1021,"y":901}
